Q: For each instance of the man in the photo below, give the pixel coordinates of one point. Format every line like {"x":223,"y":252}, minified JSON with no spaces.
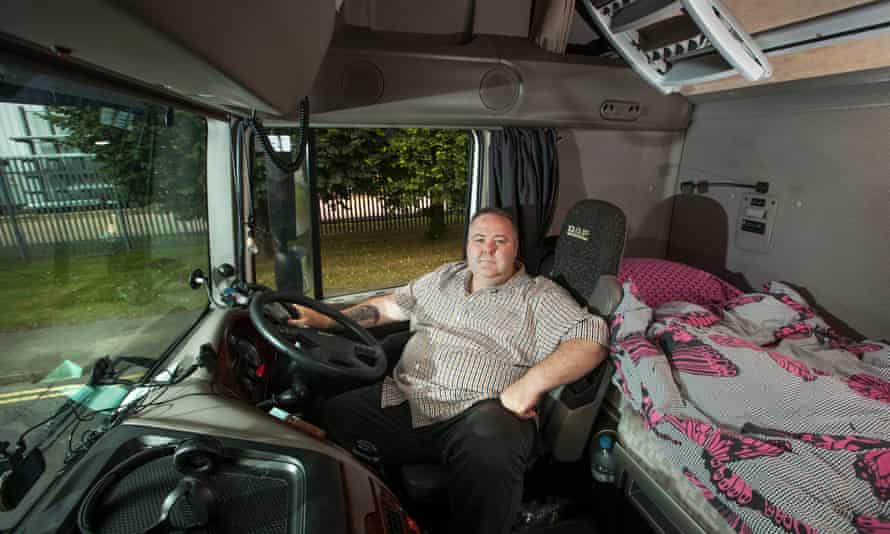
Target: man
{"x":489,"y":342}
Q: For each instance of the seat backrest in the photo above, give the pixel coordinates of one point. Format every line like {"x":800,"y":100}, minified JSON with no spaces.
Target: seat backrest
{"x":585,"y":262}
{"x":589,"y":247}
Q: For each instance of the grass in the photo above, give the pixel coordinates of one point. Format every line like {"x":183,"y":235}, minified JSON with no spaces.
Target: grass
{"x":73,"y":289}
{"x":363,"y":261}
{"x":70,"y":289}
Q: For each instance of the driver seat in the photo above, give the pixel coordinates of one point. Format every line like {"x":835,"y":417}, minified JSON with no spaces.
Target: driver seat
{"x":585,"y":261}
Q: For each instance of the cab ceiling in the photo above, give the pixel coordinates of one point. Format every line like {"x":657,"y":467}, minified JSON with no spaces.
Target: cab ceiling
{"x":225,"y":54}
{"x":463,"y":62}
{"x":390,"y":61}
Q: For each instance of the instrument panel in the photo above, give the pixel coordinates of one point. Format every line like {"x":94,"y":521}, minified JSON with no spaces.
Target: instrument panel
{"x":247,"y":361}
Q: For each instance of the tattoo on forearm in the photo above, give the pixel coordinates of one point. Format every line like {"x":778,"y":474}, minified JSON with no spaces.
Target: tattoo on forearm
{"x":364,"y":313}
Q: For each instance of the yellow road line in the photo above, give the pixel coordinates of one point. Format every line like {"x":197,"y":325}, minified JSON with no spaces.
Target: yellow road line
{"x":32,"y":397}
{"x":34,"y":393}
{"x":37,"y":391}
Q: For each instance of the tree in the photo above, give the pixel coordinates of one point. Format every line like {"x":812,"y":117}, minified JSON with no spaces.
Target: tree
{"x":153,"y":164}
{"x":431,"y":163}
{"x":349,"y":161}
{"x":401,"y":166}
{"x":147,"y":162}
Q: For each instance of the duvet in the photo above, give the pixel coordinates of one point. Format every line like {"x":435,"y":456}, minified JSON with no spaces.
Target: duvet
{"x":782,"y":424}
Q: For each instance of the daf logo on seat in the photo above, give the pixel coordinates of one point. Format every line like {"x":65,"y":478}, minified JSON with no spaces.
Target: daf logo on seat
{"x":578,"y":232}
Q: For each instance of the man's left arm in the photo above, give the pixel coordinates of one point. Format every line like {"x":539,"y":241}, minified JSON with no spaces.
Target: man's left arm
{"x":571,"y":360}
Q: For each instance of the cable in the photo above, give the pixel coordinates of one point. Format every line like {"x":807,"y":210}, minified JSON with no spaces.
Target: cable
{"x":21,"y":415}
{"x":302,"y":137}
{"x":35,"y":427}
{"x":72,"y":405}
{"x":90,"y":435}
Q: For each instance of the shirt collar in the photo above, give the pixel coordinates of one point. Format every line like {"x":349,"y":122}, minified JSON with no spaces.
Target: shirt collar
{"x":519,"y":278}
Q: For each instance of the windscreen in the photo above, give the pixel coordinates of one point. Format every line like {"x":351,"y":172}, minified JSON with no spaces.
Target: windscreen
{"x":103,"y":216}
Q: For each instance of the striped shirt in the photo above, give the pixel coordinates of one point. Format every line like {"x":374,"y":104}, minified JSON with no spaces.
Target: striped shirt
{"x":468,"y":347}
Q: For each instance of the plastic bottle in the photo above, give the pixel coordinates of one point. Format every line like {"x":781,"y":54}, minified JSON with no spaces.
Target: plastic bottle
{"x":602,"y":461}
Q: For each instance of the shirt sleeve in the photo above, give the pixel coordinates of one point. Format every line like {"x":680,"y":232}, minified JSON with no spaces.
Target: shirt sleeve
{"x":559,"y":318}
{"x":405,"y":298}
{"x":591,"y":328}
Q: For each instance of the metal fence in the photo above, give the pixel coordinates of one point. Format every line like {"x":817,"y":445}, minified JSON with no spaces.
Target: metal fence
{"x":49,"y":201}
{"x":366,"y":213}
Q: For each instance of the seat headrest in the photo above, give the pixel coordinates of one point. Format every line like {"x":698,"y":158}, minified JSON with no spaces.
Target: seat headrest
{"x":589,"y":246}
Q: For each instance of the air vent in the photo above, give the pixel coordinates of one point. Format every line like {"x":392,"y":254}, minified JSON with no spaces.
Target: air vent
{"x":672,"y":43}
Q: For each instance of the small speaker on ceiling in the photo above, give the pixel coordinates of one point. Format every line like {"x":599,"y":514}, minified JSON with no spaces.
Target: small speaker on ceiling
{"x":362,"y":84}
{"x":500,"y":89}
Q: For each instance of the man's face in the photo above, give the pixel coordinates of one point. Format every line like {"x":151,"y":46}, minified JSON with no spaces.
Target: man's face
{"x":491,"y":250}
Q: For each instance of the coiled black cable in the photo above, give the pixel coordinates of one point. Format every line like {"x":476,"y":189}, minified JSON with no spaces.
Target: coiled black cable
{"x":302,"y":139}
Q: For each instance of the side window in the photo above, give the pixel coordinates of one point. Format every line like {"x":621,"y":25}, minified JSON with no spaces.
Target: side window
{"x":391,"y":204}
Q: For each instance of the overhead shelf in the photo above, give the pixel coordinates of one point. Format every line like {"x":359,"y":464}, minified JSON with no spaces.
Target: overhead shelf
{"x":660,"y":40}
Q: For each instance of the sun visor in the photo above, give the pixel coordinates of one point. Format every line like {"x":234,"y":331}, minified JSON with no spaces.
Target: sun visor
{"x":222,"y":53}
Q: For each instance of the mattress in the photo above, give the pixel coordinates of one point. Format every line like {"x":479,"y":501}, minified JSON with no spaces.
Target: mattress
{"x":641,"y":445}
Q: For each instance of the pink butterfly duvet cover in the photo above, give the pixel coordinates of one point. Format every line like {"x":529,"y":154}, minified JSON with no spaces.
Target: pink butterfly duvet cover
{"x":783,"y":425}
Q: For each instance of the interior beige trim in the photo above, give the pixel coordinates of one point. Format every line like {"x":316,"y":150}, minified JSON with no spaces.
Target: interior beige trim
{"x":847,"y":56}
{"x":758,"y":15}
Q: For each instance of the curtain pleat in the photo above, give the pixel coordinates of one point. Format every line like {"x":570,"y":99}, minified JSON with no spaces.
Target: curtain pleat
{"x":525,"y":179}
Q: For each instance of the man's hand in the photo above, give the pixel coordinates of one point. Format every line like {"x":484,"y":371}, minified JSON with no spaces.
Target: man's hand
{"x":569,"y":362}
{"x":309,"y":317}
{"x":521,"y":399}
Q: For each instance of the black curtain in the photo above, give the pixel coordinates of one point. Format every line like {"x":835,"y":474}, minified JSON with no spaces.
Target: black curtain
{"x":525,"y":179}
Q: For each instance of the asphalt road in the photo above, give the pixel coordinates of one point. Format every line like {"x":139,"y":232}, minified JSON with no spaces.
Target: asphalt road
{"x":28,"y":356}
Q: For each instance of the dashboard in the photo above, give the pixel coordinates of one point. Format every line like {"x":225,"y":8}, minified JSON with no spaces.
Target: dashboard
{"x":271,"y":476}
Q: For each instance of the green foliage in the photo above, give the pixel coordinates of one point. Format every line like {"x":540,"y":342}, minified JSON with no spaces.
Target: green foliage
{"x":350,"y":161}
{"x":399,"y":165}
{"x":149,"y":164}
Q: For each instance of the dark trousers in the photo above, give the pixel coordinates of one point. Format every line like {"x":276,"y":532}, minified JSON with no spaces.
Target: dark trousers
{"x":486,"y":450}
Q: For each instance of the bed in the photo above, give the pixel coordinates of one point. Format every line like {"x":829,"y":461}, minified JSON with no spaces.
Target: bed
{"x":746,"y":412}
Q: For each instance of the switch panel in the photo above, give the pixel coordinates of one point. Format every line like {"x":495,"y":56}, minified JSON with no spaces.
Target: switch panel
{"x":754,"y":229}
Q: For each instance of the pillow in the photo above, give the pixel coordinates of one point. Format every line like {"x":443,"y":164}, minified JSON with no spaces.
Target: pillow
{"x":659,"y":281}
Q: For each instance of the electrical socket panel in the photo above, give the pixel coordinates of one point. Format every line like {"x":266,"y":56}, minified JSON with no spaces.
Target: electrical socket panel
{"x":756,"y":220}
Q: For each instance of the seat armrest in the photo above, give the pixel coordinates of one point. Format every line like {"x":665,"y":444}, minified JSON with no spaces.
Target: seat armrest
{"x":568,"y":413}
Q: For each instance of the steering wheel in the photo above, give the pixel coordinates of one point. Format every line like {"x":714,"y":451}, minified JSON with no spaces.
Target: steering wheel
{"x":317,"y":351}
